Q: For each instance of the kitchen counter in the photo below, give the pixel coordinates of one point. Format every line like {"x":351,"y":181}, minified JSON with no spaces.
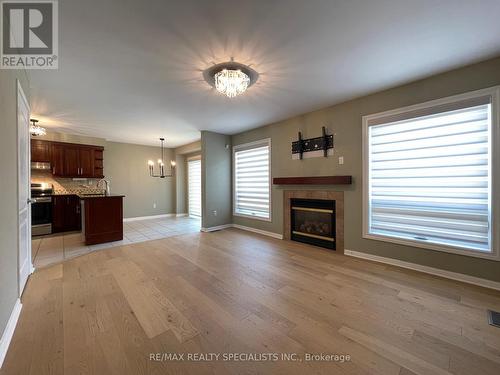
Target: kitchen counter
{"x":92,"y":196}
{"x":102,"y":218}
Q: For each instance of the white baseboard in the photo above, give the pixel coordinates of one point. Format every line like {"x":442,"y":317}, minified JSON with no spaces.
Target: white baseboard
{"x":146,"y":217}
{"x":426,"y":269}
{"x":9,"y":330}
{"x":218,"y":227}
{"x":259,"y":231}
{"x":180,"y":215}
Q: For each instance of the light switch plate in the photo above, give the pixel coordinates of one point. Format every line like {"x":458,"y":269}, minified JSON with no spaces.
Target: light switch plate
{"x":341,"y":160}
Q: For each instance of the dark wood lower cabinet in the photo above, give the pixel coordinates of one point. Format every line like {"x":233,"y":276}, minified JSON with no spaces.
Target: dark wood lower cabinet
{"x":102,"y":219}
{"x":66,"y":214}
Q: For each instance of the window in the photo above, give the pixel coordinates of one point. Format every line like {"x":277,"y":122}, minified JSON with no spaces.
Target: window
{"x":194,"y":187}
{"x":428,"y":175}
{"x":252,"y":187}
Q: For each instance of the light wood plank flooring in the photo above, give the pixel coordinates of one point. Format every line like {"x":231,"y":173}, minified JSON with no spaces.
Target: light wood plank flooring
{"x":231,"y":291}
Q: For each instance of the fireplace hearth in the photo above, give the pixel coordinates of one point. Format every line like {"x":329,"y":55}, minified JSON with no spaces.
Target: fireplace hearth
{"x":313,"y":222}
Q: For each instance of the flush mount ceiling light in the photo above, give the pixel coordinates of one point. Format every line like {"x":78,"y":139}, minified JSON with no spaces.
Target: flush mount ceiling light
{"x":161,"y":165}
{"x":230,"y":78}
{"x":36,"y":130}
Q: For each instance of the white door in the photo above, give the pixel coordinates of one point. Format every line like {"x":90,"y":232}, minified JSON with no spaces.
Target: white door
{"x":23,"y":168}
{"x":194,"y":187}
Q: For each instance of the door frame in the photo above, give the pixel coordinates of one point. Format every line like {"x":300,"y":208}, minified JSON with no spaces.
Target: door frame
{"x":20,"y":96}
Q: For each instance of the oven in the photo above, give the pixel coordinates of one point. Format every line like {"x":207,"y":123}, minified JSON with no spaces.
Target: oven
{"x":41,"y":209}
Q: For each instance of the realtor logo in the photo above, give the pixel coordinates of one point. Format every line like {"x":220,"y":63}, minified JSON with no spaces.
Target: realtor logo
{"x":29,"y":37}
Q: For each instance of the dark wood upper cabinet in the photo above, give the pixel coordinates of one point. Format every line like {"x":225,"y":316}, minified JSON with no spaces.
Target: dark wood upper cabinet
{"x":71,"y":161}
{"x":76,"y":160}
{"x":86,"y":162}
{"x":40,"y":151}
{"x":57,"y":160}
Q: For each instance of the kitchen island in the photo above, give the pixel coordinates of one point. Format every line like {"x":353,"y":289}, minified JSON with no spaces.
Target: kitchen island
{"x":102,"y":218}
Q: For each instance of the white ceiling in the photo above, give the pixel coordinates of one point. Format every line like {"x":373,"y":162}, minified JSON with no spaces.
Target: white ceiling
{"x":130,"y":71}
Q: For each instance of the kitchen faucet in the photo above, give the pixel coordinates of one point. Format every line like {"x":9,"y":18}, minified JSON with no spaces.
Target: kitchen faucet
{"x":107,"y":191}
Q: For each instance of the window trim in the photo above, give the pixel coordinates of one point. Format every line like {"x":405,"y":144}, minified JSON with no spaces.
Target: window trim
{"x":247,"y":146}
{"x":494,"y":92}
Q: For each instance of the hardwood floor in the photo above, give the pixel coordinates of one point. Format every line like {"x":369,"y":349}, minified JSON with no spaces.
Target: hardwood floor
{"x":231,"y":291}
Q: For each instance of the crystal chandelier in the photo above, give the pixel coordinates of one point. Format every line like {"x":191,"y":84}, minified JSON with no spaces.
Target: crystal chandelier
{"x":36,"y":130}
{"x":231,"y":82}
{"x":230,"y":78}
{"x":161,"y":165}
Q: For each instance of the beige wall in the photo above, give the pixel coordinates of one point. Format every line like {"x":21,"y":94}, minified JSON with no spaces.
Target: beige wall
{"x":215,"y":179}
{"x":9,"y":191}
{"x":125,"y":166}
{"x":345,"y":121}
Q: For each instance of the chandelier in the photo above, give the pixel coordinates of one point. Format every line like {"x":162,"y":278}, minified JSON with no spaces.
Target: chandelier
{"x":161,"y":165}
{"x":231,"y":82}
{"x":230,"y":78}
{"x":36,"y":130}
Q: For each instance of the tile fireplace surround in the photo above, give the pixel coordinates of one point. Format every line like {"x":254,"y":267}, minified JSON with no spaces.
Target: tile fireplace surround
{"x":337,"y":196}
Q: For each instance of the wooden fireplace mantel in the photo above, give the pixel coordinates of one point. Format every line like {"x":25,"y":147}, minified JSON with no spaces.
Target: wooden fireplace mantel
{"x":317,"y":180}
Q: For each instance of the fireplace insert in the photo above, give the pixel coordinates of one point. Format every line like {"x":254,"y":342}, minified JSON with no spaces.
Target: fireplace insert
{"x":313,"y":222}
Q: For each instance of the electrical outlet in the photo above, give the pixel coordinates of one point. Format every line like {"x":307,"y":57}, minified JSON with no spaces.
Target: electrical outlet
{"x":214,"y":212}
{"x":341,"y":160}
{"x":154,"y":205}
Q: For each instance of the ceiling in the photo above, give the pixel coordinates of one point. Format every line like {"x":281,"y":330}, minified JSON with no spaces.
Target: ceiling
{"x":131,"y":71}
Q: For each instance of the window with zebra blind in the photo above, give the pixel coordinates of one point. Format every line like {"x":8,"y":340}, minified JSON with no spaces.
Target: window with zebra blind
{"x":194,"y":187}
{"x":429,"y":174}
{"x":252,"y":180}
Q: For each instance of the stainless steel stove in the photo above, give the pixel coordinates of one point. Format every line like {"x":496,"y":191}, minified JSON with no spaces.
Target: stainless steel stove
{"x":41,"y":209}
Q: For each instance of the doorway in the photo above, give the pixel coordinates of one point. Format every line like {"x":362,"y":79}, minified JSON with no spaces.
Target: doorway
{"x":23,"y":175}
{"x":194,"y":187}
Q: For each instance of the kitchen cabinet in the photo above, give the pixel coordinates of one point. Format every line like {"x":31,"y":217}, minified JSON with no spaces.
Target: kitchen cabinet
{"x":102,"y":219}
{"x":77,"y":161}
{"x":40,"y":151}
{"x":57,"y":160}
{"x":66,"y":214}
{"x":71,"y":161}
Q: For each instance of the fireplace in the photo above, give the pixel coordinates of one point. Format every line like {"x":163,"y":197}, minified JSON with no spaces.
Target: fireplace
{"x":313,"y":221}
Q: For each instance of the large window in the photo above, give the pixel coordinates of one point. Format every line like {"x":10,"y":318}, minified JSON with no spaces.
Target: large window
{"x":428,"y":175}
{"x":252,"y":180}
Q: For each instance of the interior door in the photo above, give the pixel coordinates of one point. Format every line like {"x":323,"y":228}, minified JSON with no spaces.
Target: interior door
{"x":194,"y":187}
{"x":23,"y":174}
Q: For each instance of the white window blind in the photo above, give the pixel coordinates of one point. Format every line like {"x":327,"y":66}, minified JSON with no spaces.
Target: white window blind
{"x":430,"y":178}
{"x":194,"y":187}
{"x":251,"y":180}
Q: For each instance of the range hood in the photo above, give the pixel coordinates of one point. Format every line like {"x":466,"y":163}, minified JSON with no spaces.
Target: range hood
{"x":40,"y":166}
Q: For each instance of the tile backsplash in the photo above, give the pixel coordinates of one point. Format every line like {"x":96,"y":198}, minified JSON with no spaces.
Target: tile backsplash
{"x":67,"y":185}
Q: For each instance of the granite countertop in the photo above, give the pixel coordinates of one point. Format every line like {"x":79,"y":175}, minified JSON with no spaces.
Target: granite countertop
{"x":92,"y":196}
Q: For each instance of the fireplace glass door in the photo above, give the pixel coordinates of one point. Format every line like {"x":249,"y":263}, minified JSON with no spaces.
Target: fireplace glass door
{"x":313,"y":222}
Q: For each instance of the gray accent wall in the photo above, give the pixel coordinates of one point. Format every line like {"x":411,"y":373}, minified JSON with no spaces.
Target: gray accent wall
{"x":345,"y":120}
{"x":215,"y":179}
{"x":9,"y":289}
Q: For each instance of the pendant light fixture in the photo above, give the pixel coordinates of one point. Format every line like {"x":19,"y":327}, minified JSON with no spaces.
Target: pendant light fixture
{"x":161,"y":165}
{"x":36,"y":130}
